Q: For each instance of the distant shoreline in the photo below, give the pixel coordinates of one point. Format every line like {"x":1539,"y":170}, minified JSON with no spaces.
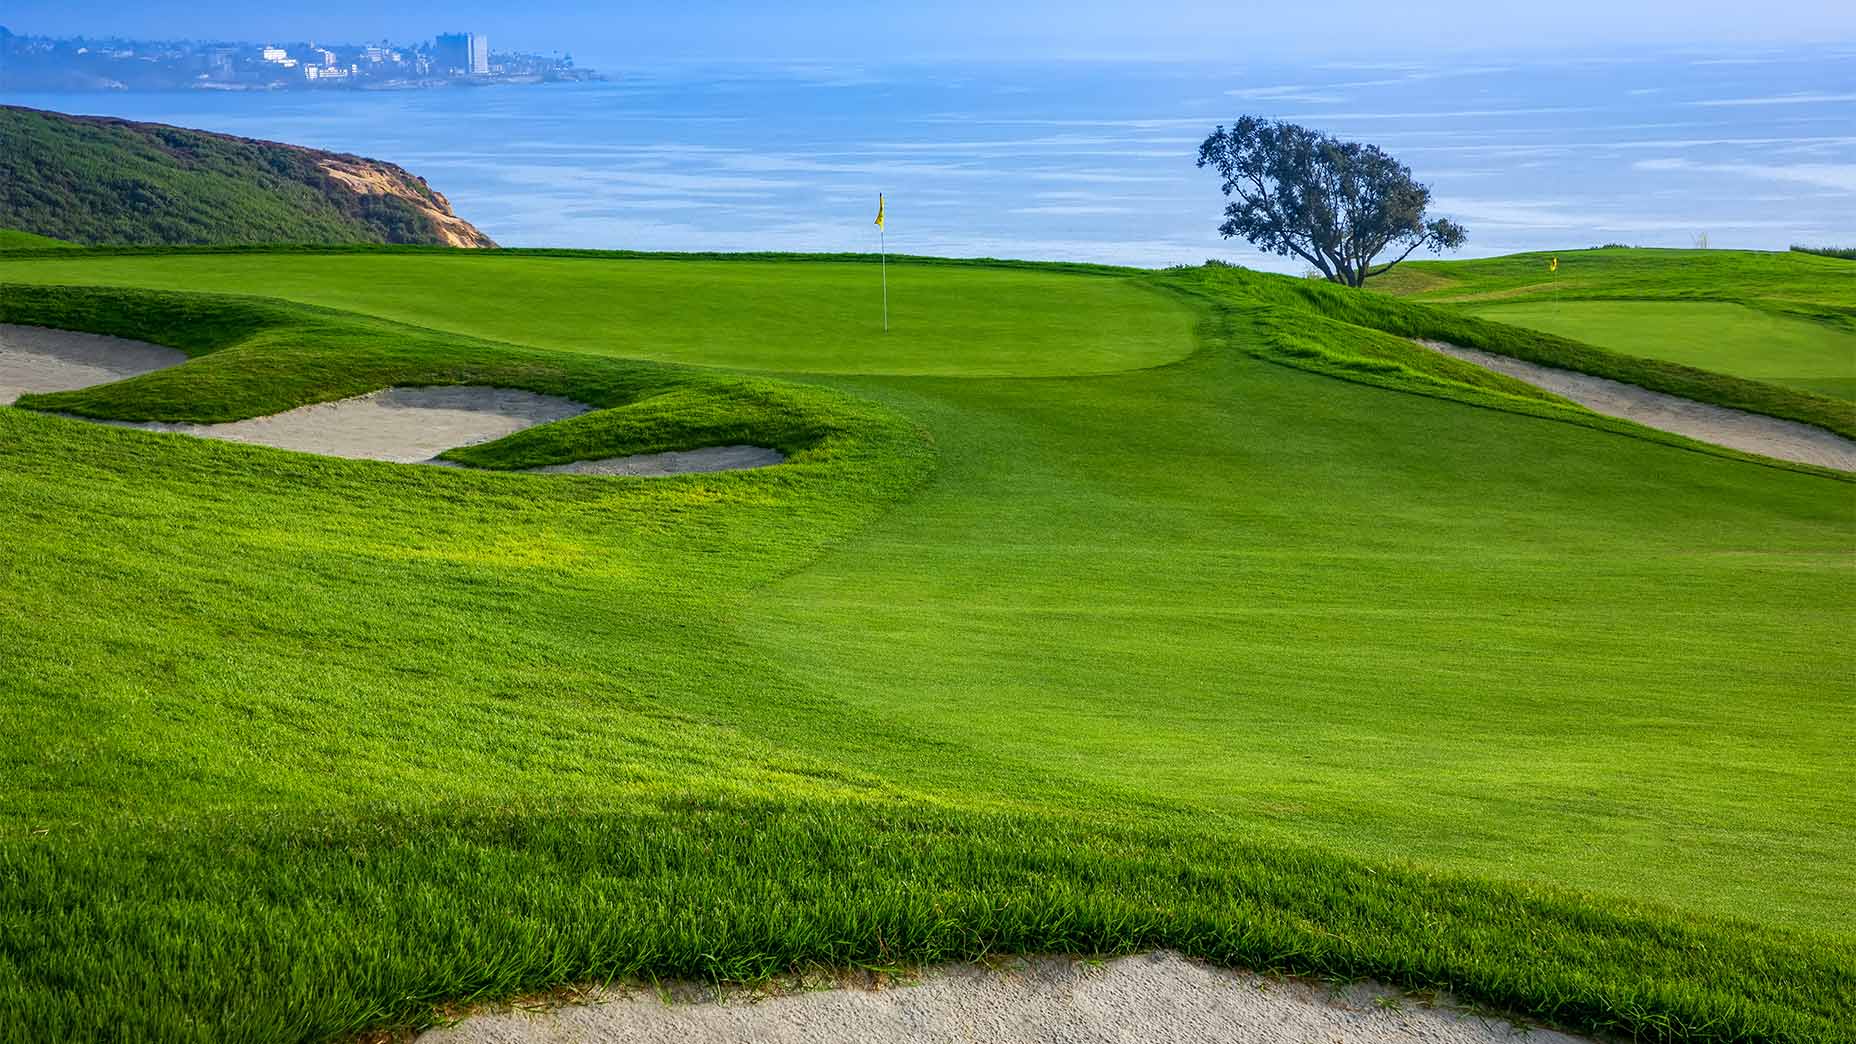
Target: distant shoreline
{"x":112,"y":66}
{"x":291,"y":88}
{"x":388,"y":87}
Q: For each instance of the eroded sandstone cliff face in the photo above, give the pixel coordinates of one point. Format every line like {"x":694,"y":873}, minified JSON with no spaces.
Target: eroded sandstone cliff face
{"x":367,"y":177}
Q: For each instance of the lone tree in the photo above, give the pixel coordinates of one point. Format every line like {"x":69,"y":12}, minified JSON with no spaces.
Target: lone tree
{"x":1335,"y":204}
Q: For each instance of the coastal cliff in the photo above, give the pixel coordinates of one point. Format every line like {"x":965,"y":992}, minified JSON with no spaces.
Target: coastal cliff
{"x":96,"y":180}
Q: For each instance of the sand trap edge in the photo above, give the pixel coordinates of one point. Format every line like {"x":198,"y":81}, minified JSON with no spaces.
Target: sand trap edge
{"x":1723,"y":426}
{"x":674,"y":462}
{"x":38,"y":360}
{"x":1160,"y":996}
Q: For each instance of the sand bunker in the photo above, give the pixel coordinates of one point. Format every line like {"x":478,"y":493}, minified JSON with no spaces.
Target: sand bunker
{"x":405,"y":425}
{"x":675,"y":462}
{"x":1156,"y":997}
{"x":1735,"y":429}
{"x":35,"y":359}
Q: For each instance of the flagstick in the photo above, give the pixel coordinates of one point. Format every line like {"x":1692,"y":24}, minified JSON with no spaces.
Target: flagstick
{"x":882,"y":239}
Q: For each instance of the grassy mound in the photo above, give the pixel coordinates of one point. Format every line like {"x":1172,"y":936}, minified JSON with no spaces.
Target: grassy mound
{"x":14,"y":240}
{"x":1413,"y":673}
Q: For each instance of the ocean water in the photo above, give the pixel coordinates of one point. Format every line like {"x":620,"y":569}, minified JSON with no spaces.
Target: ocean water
{"x":1093,"y":161}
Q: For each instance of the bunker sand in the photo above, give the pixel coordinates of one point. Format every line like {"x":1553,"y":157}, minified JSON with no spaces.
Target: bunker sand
{"x":402,"y":425}
{"x":35,"y":359}
{"x":1161,"y":998}
{"x":1720,"y":425}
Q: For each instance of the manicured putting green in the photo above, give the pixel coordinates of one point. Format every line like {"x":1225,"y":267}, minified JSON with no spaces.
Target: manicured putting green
{"x":817,"y":317}
{"x":1710,"y":335}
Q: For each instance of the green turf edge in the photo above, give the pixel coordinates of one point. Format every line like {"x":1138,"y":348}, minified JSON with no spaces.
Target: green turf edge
{"x":341,"y":924}
{"x":341,"y":249}
{"x":1648,"y":273}
{"x":1411,"y":319}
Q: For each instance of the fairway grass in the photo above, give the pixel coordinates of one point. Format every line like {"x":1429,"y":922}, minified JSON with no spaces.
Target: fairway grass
{"x":1287,"y":644}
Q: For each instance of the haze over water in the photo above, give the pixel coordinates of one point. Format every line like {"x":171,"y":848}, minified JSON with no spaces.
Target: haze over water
{"x":1091,"y":161}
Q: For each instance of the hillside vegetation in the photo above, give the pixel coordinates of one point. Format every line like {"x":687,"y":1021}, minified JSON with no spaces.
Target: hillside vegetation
{"x":1112,"y":610}
{"x":96,"y":180}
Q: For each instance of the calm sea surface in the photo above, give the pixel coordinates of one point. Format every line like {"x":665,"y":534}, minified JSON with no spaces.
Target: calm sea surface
{"x":1092,"y":161}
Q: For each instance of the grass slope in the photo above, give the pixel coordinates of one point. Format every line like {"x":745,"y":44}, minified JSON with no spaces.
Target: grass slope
{"x":1788,"y":319}
{"x":1411,"y":673}
{"x":13,"y":240}
{"x":96,"y":180}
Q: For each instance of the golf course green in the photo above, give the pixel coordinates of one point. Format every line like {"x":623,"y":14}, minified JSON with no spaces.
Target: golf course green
{"x":1094,"y":610}
{"x":1713,"y":335}
{"x":1788,"y":319}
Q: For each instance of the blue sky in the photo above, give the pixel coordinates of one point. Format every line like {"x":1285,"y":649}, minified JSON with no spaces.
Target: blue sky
{"x":834,"y":30}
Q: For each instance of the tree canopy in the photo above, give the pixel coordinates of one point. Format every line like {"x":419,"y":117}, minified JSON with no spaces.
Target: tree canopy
{"x":1336,"y":204}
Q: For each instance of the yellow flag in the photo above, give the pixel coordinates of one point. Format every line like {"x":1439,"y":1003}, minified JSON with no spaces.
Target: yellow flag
{"x":879,"y":210}
{"x":1552,"y":266}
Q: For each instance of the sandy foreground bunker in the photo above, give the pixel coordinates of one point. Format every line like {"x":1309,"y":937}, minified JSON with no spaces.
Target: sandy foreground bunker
{"x":1155,"y":998}
{"x":401,"y":425}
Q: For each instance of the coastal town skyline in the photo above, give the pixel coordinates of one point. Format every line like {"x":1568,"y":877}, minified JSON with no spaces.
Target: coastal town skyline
{"x":83,"y":63}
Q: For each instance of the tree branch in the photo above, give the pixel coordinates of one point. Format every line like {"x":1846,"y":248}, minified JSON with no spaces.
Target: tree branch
{"x":1390,"y":265}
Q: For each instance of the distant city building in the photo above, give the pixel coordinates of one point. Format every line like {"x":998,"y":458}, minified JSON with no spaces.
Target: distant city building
{"x":274,"y":54}
{"x":327,"y":56}
{"x":463,"y":54}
